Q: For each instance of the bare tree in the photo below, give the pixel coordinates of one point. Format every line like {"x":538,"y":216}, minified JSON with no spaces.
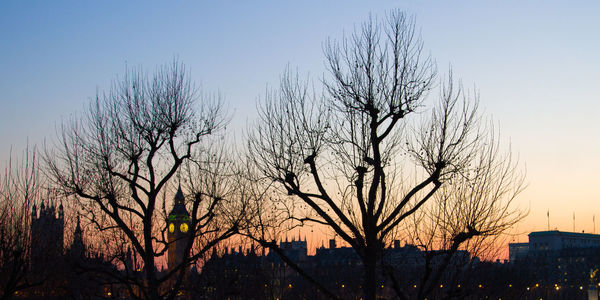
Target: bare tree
{"x":353,"y":157}
{"x":470,"y":212}
{"x":20,"y":186}
{"x":121,"y":158}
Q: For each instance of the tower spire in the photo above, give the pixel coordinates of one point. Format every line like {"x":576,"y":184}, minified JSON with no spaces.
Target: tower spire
{"x":78,"y":226}
{"x":61,"y":212}
{"x":179,"y":198}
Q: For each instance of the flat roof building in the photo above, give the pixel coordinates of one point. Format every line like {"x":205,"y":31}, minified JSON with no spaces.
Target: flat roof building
{"x":517,"y":251}
{"x":555,"y":240}
{"x":552,"y":241}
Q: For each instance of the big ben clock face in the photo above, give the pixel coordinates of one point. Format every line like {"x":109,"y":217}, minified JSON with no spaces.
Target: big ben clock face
{"x":183,"y":227}
{"x":171,"y":227}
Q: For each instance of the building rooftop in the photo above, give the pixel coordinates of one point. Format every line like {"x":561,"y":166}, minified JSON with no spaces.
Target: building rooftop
{"x":564,"y":234}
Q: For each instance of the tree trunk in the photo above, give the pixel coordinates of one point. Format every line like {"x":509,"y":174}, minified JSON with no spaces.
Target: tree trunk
{"x":370,"y":280}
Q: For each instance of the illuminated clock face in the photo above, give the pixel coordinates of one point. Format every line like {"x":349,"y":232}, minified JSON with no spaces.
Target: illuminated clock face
{"x":171,"y":227}
{"x":183,"y":227}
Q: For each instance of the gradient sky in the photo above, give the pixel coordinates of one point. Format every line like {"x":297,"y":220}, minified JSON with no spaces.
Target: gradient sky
{"x":536,"y":65}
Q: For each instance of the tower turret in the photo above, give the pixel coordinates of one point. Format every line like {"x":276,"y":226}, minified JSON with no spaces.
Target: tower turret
{"x":47,"y":236}
{"x":61,"y":213}
{"x":129,"y":260}
{"x":78,"y":248}
{"x":178,"y":227}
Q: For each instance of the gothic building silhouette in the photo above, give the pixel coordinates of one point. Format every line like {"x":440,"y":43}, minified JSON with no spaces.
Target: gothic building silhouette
{"x":294,"y":249}
{"x":47,"y":234}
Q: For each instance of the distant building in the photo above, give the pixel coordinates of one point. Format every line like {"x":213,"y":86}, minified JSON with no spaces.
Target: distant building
{"x":336,"y":256}
{"x":558,"y":258}
{"x":246,"y":274}
{"x":47,"y":235}
{"x":553,"y":242}
{"x":62,"y":272}
{"x":296,"y":250}
{"x":178,"y":228}
{"x":517,"y":251}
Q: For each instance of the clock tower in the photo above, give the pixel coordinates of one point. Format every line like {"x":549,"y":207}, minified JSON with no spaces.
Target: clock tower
{"x":178,"y":227}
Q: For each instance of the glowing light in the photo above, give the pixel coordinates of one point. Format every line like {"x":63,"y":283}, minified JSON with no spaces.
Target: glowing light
{"x":183,"y":227}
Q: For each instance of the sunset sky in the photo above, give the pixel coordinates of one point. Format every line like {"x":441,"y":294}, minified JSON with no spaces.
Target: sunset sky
{"x":536,"y":65}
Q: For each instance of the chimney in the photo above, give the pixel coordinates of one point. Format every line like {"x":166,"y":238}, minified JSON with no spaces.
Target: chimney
{"x":396,"y":244}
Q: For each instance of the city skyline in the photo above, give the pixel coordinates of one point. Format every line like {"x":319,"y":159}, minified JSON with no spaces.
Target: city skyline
{"x":533,"y":64}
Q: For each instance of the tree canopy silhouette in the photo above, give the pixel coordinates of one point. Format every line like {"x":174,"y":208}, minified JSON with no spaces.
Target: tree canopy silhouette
{"x":120,"y":158}
{"x":354,"y":155}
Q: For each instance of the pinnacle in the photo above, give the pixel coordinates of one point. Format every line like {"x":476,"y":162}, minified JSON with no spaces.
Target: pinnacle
{"x":179,"y":198}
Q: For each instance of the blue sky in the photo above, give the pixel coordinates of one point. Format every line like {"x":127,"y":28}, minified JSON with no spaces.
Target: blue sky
{"x":535,"y":64}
